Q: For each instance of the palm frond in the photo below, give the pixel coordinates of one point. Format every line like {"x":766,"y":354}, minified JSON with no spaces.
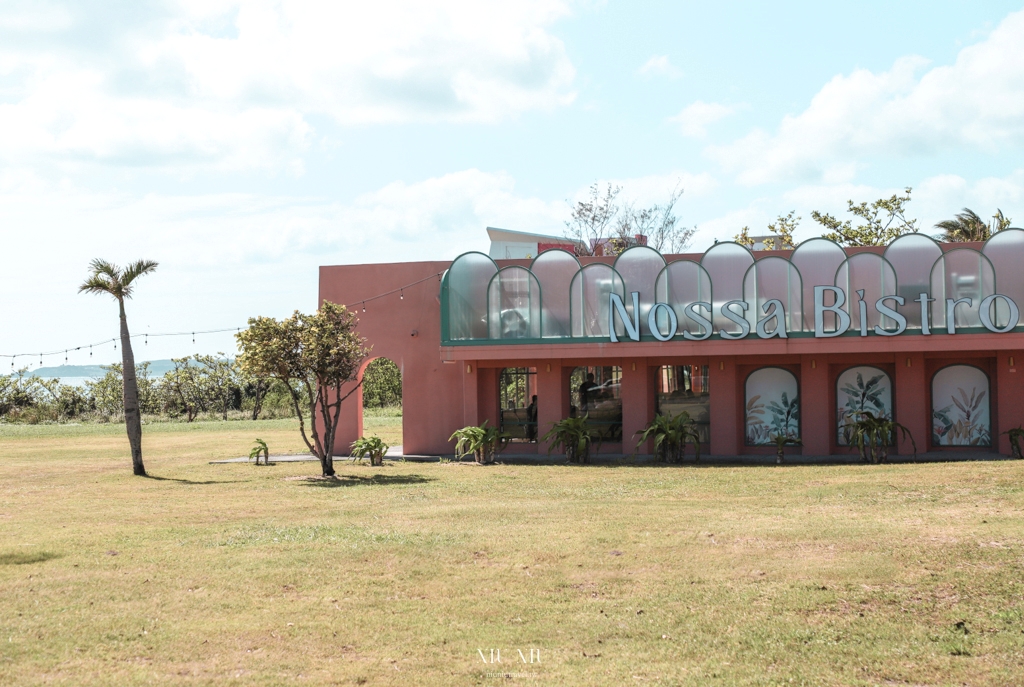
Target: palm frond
{"x":133,"y":272}
{"x":98,"y":283}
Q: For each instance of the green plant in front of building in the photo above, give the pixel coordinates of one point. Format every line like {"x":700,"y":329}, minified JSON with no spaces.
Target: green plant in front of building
{"x":260,"y":449}
{"x":873,"y":435}
{"x":1016,"y":435}
{"x":573,"y":435}
{"x":373,"y":448}
{"x":670,"y":434}
{"x":861,"y":396}
{"x":479,"y":441}
{"x":781,"y":442}
{"x":314,"y":356}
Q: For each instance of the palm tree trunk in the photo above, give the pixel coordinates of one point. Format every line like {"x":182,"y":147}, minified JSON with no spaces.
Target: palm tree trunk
{"x":132,"y":417}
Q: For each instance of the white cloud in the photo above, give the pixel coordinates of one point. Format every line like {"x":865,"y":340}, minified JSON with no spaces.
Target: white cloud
{"x":660,"y":65}
{"x":695,"y":118}
{"x":977,"y":102}
{"x":233,"y":85}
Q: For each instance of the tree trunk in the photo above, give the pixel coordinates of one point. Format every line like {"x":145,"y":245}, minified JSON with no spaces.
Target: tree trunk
{"x":132,"y":416}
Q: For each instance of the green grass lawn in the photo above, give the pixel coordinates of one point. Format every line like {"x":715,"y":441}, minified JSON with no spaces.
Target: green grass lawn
{"x":403,"y":575}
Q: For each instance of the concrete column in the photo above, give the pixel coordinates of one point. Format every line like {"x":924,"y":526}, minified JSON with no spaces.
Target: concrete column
{"x":726,"y":428}
{"x":470,"y":394}
{"x":816,"y":412}
{"x":552,"y":398}
{"x":1009,"y":401}
{"x":637,"y":402}
{"x":913,"y":397}
{"x":488,"y":400}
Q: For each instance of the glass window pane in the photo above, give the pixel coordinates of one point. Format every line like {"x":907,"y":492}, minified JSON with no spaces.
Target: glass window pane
{"x":639,"y":268}
{"x":912,"y":256}
{"x":683,"y":282}
{"x":514,"y":304}
{"x":962,"y":273}
{"x":684,"y":388}
{"x":772,"y":406}
{"x":859,"y":390}
{"x":774,"y":278}
{"x":517,"y":389}
{"x":1005,"y":250}
{"x":726,"y":264}
{"x":554,"y":269}
{"x":589,"y":292}
{"x":596,"y":393}
{"x":960,"y":407}
{"x":817,"y":261}
{"x":467,"y":281}
{"x":871,"y":273}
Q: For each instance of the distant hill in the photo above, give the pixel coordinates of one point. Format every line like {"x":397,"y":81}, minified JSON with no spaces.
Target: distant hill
{"x":157,"y":368}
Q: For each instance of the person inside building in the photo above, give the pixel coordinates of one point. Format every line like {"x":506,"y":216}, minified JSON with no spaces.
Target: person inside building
{"x":587,"y":391}
{"x":531,"y":419}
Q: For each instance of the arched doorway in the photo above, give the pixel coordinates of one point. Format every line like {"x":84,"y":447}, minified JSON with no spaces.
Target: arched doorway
{"x":382,"y":401}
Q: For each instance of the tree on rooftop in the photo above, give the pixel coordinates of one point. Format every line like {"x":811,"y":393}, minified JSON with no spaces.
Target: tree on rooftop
{"x":108,"y":278}
{"x":599,"y":220}
{"x":315,"y":356}
{"x":878,"y":223}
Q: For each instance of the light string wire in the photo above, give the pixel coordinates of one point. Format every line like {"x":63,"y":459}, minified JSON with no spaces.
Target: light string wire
{"x":64,"y":351}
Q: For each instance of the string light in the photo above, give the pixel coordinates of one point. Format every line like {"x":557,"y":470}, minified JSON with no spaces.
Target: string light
{"x":401,"y":296}
{"x":364,"y":306}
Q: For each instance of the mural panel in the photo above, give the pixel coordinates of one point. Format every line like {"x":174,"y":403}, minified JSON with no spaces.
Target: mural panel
{"x":960,"y":407}
{"x":772,"y":407}
{"x":861,"y":390}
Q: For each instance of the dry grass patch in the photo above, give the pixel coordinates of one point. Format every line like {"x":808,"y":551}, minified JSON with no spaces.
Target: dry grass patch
{"x":236,"y":574}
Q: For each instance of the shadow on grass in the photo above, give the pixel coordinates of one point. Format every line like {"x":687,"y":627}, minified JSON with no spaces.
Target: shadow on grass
{"x":357,"y":480}
{"x":27,"y":558}
{"x":188,"y":481}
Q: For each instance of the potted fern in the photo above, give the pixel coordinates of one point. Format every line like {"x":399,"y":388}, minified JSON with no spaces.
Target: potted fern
{"x":670,"y":435}
{"x":373,"y":448}
{"x":571,"y":435}
{"x":479,"y":441}
{"x":874,"y":435}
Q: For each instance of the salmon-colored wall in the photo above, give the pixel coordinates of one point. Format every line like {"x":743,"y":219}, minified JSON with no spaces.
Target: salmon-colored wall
{"x":447,"y":387}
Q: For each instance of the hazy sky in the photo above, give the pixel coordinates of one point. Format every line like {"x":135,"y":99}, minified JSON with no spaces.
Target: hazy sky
{"x":242,"y":145}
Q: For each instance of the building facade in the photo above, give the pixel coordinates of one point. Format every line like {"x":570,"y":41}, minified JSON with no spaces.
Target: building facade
{"x":798,"y":343}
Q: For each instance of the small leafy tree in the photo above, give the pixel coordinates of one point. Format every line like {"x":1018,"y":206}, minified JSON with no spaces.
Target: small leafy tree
{"x":783,"y":228}
{"x":108,"y":278}
{"x":260,"y":448}
{"x":878,"y":223}
{"x":599,"y":225}
{"x":108,"y":396}
{"x":315,"y":356}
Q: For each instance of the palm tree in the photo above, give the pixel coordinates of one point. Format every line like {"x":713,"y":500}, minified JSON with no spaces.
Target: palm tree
{"x":968,"y":226}
{"x":108,"y":278}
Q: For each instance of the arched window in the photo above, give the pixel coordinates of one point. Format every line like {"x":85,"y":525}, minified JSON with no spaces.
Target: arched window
{"x":726,"y":263}
{"x":961,"y":279}
{"x":772,"y":406}
{"x":554,"y":269}
{"x":859,"y":390}
{"x":639,"y":268}
{"x":597,"y":393}
{"x":817,"y":261}
{"x":588,"y":303}
{"x":464,"y":295}
{"x":513,"y":304}
{"x":960,"y":407}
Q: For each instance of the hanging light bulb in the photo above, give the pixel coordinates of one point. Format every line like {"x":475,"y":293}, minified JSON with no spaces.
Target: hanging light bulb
{"x":147,"y":339}
{"x":401,"y":296}
{"x":193,"y":337}
{"x":90,"y":351}
{"x":364,"y":306}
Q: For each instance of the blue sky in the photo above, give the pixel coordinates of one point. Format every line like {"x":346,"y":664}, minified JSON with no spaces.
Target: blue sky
{"x":242,"y":145}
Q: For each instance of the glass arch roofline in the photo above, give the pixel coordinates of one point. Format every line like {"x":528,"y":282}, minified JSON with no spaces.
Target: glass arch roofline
{"x":658,"y":268}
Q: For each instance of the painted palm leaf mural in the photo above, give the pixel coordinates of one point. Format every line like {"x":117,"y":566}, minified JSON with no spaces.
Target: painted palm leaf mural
{"x":860,"y":390}
{"x":960,"y":407}
{"x":772,"y":407}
